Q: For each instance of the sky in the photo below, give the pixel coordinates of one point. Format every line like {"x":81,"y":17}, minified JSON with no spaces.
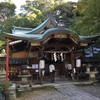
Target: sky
{"x":18,"y":3}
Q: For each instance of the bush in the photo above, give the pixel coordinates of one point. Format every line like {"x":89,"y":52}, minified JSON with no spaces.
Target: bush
{"x":4,"y":91}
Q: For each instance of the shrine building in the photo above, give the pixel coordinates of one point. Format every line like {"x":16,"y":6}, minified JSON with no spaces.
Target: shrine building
{"x":49,"y":43}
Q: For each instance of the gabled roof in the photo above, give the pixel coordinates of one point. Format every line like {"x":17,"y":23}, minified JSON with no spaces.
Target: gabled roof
{"x":89,"y":37}
{"x":49,"y":22}
{"x":44,"y":30}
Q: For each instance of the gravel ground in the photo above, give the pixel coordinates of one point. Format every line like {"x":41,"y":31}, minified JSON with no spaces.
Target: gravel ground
{"x":49,"y":95}
{"x":56,"y":95}
{"x":94,"y":90}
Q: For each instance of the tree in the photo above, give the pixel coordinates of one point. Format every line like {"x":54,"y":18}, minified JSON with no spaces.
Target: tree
{"x":6,"y":11}
{"x":44,"y":5}
{"x":65,"y":11}
{"x":88,"y":22}
{"x":33,"y":13}
{"x":27,"y":20}
{"x":60,"y":9}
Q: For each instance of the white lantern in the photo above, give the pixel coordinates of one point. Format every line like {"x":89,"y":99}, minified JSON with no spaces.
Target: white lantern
{"x":42,"y":64}
{"x":78,"y":63}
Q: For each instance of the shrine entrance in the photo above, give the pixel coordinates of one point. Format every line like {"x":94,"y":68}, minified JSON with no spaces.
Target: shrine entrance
{"x":63,"y":69}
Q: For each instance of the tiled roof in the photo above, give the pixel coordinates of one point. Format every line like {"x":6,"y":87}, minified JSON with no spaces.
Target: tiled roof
{"x":90,"y":60}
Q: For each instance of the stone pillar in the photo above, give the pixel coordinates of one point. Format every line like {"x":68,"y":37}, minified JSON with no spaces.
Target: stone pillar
{"x":88,"y":69}
{"x":95,"y":69}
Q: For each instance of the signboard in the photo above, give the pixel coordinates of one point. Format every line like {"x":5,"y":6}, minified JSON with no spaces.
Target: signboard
{"x":69,"y":66}
{"x":34,"y":66}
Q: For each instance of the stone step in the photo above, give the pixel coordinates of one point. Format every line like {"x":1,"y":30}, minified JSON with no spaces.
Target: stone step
{"x":2,"y":77}
{"x":24,"y":89}
{"x":24,"y":85}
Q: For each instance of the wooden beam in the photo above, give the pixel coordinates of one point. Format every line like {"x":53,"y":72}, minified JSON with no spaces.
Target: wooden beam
{"x":30,"y":48}
{"x":58,"y":45}
{"x":27,"y":45}
{"x":57,"y":51}
{"x":15,"y":42}
{"x":35,"y":43}
{"x":83,"y":44}
{"x":60,"y":36}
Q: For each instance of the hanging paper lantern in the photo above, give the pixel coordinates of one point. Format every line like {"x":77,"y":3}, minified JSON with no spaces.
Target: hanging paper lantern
{"x":78,"y":63}
{"x":42,"y":64}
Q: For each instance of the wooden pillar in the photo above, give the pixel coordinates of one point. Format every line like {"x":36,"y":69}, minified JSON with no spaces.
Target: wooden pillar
{"x":73,"y":65}
{"x":7,"y":60}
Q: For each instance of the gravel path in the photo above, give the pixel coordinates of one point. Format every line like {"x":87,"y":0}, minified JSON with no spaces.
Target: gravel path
{"x":56,"y":95}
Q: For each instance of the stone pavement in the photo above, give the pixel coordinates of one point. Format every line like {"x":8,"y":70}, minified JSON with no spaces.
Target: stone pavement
{"x":74,"y":93}
{"x":66,"y":91}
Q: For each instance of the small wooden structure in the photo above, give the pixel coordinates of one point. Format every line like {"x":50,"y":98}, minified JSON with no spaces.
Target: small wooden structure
{"x":52,"y":42}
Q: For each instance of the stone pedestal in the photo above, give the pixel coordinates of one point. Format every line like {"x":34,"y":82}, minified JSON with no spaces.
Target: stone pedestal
{"x":88,"y":69}
{"x":91,"y":73}
{"x":24,"y":78}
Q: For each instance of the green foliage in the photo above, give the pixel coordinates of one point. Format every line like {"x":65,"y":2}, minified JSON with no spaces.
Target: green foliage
{"x":34,"y":12}
{"x":2,"y":45}
{"x":43,"y":5}
{"x":65,"y":11}
{"x":3,"y":91}
{"x":6,"y":11}
{"x":2,"y":85}
{"x":87,"y":23}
